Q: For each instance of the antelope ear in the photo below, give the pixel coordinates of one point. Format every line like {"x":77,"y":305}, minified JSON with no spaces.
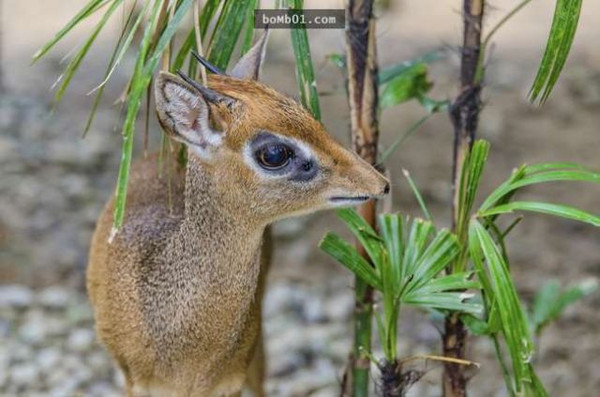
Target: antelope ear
{"x":248,"y":67}
{"x":184,"y":111}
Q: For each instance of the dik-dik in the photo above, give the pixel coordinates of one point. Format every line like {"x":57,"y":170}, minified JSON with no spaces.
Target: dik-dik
{"x":177,"y":291}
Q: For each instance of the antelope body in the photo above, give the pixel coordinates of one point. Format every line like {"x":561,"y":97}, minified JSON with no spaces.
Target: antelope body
{"x":177,"y":292}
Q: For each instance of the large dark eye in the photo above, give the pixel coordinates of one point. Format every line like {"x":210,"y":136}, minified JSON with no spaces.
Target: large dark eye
{"x":274,"y":157}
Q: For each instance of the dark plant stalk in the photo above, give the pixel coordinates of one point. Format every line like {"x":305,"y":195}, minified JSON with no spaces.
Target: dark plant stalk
{"x":363,"y":101}
{"x":464,"y":114}
{"x":391,"y":380}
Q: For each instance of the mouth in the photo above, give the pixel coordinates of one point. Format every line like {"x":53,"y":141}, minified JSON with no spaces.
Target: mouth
{"x":348,"y":200}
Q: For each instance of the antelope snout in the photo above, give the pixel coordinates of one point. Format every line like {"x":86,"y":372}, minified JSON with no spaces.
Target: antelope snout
{"x":359,"y":184}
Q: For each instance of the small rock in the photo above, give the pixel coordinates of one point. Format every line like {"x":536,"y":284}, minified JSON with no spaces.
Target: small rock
{"x":99,"y":362}
{"x":24,"y":374}
{"x":15,"y":296}
{"x":119,"y":380}
{"x":56,"y":377}
{"x":312,"y":310}
{"x":48,"y":358}
{"x":80,"y":340}
{"x":54,"y":297}
{"x":276,"y":299}
{"x":19,"y":352}
{"x":286,"y":364}
{"x":103,"y":389}
{"x":339,"y":307}
{"x":33,"y":330}
{"x":66,"y":387}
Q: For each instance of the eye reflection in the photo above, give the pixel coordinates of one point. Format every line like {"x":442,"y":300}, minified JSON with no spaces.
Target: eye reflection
{"x":274,"y":156}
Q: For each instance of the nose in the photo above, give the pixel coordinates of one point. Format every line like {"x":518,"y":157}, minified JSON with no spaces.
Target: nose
{"x":386,"y":188}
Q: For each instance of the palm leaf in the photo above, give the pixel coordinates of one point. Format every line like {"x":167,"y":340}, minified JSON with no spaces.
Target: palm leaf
{"x":563,"y":211}
{"x":558,"y":46}
{"x":348,"y":256}
{"x":503,"y":291}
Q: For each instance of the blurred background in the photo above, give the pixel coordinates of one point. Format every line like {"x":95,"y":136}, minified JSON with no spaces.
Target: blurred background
{"x":53,"y":185}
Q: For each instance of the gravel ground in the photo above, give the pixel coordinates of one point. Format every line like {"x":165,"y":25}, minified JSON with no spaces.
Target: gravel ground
{"x":53,"y":185}
{"x":48,"y":346}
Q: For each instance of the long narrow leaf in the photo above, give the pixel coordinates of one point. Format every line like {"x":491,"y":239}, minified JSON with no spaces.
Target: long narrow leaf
{"x":208,"y":11}
{"x":138,"y":87}
{"x":439,"y":254}
{"x":457,"y":281}
{"x":73,"y":66}
{"x":562,"y":32}
{"x":417,"y":239}
{"x":545,"y":208}
{"x":227,"y":31}
{"x":536,"y":178}
{"x":454,"y":301}
{"x":249,"y":33}
{"x":305,"y":74}
{"x":418,"y":196}
{"x":90,"y":8}
{"x":365,"y":234}
{"x":513,"y":319}
{"x":120,"y":48}
{"x":530,"y":169}
{"x":391,"y":227}
{"x":348,"y":256}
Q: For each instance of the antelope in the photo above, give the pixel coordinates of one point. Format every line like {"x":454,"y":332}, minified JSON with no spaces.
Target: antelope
{"x":177,"y":291}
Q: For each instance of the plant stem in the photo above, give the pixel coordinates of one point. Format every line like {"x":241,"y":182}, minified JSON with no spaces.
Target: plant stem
{"x":391,"y":380}
{"x":363,"y":101}
{"x":464,"y":114}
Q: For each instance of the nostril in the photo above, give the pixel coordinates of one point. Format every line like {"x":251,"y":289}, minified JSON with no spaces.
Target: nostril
{"x":386,"y":189}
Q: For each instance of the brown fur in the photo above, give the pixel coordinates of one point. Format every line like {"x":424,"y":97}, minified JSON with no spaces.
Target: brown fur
{"x":177,"y":294}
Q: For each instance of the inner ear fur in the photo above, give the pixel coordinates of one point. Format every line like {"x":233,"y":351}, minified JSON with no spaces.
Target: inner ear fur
{"x":190,"y":113}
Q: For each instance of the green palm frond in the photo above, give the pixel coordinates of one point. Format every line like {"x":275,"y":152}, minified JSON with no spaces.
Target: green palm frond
{"x":406,"y":267}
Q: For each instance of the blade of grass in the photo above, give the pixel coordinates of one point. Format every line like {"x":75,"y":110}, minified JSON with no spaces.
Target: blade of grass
{"x":305,"y":74}
{"x":116,"y":57}
{"x":247,"y":40}
{"x":141,"y":79}
{"x":208,"y":11}
{"x":407,"y":134}
{"x":123,"y":45}
{"x":74,"y":64}
{"x":138,"y":87}
{"x":418,"y":196}
{"x":488,"y":38}
{"x":90,"y":8}
{"x":227,"y":31}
